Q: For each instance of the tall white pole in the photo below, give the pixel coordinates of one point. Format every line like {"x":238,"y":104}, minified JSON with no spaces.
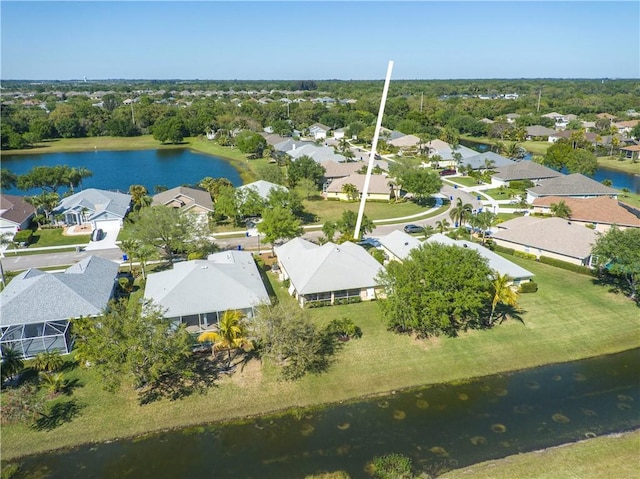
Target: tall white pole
{"x":374,"y":145}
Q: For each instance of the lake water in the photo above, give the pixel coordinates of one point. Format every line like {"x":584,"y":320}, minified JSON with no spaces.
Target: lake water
{"x":619,"y":179}
{"x":439,"y":428}
{"x":117,"y":170}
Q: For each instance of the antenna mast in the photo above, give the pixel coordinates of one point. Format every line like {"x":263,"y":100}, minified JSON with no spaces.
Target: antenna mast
{"x":374,"y":145}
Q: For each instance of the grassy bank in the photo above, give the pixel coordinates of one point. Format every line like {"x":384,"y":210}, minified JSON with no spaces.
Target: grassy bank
{"x":607,"y":456}
{"x":568,"y":318}
{"x":615,"y":163}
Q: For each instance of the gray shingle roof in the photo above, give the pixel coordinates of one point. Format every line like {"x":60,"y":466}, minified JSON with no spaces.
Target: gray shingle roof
{"x":34,"y":296}
{"x":575,"y":184}
{"x":556,"y":235}
{"x":319,"y":154}
{"x":330,"y":267}
{"x":525,"y":170}
{"x":97,"y":202}
{"x":539,"y":130}
{"x":477,"y":161}
{"x":188,"y":197}
{"x":15,"y":208}
{"x":224,"y":281}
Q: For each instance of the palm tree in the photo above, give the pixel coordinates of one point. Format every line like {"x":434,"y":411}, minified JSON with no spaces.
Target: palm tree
{"x":12,"y":362}
{"x":55,"y":382}
{"x":137,"y":192}
{"x":48,"y":361}
{"x":460,"y":213}
{"x":502,"y":293}
{"x":561,"y":210}
{"x":442,"y":225}
{"x":129,"y":247}
{"x":145,"y":252}
{"x":230,"y":335}
{"x":350,"y":190}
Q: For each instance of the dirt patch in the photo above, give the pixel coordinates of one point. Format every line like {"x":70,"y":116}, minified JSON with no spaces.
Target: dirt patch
{"x":427,"y":343}
{"x":247,"y":374}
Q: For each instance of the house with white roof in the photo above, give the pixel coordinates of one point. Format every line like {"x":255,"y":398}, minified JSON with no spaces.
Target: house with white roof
{"x":198,"y":292}
{"x":445,"y":152}
{"x":556,"y":238}
{"x":323,"y":275}
{"x":37,"y":306}
{"x":397,"y":245}
{"x":480,"y":161}
{"x":318,"y":131}
{"x":94,"y":206}
{"x":262,"y":187}
{"x":319,"y":154}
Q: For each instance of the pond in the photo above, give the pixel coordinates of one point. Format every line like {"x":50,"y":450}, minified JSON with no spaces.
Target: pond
{"x":619,"y":179}
{"x":117,"y":170}
{"x":439,"y":428}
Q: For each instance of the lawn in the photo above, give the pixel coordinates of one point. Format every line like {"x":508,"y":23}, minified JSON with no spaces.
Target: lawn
{"x":607,"y":456}
{"x":568,"y":318}
{"x":332,"y":210}
{"x":463,"y":180}
{"x":620,"y":164}
{"x":501,"y":193}
{"x":56,"y":237}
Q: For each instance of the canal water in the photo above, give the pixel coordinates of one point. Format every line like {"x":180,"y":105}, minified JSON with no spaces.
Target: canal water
{"x":439,"y":428}
{"x":117,"y":170}
{"x":619,"y":179}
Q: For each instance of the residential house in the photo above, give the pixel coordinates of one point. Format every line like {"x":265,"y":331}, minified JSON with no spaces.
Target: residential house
{"x":496,"y":262}
{"x":599,"y":212}
{"x":631,"y":152}
{"x":329,"y":273}
{"x":15,"y":214}
{"x":318,"y":131}
{"x":397,"y":245}
{"x":445,"y":152}
{"x":262,"y":187}
{"x":511,"y":118}
{"x":625,"y":127}
{"x":480,"y":161}
{"x":320,"y":154}
{"x":575,"y":185}
{"x":550,"y":237}
{"x":405,"y":142}
{"x":338,"y":134}
{"x":98,"y":207}
{"x":539,"y":132}
{"x":198,"y":292}
{"x":333,"y":171}
{"x":189,"y":200}
{"x":380,"y":187}
{"x":522,"y":170}
{"x":37,"y":306}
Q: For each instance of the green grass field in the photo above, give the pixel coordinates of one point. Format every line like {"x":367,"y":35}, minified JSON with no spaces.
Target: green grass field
{"x":613,"y":456}
{"x":569,"y":318}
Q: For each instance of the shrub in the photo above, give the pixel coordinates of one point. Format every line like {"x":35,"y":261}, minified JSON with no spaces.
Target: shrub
{"x":502,"y":249}
{"x":344,"y":328}
{"x":522,"y":254}
{"x":23,"y":236}
{"x":529,"y":287}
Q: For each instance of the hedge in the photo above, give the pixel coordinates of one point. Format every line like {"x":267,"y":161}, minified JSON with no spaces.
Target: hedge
{"x":576,"y":268}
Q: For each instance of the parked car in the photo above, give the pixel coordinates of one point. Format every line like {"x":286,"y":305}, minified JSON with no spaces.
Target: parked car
{"x":97,"y":235}
{"x":448,"y":172}
{"x":413,"y":229}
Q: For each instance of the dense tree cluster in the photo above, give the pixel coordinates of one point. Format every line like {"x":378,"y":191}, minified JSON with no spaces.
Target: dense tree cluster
{"x":413,"y":107}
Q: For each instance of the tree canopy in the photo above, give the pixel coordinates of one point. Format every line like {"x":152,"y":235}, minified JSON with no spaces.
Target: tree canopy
{"x":251,"y":143}
{"x":279,"y":223}
{"x":305,"y":167}
{"x":617,"y":253}
{"x":438,"y":289}
{"x":135,"y":343}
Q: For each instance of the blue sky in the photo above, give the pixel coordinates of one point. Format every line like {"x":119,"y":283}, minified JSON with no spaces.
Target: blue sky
{"x":319,"y":40}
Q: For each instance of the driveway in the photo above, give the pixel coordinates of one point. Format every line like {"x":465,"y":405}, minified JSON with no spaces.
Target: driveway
{"x":111,"y":230}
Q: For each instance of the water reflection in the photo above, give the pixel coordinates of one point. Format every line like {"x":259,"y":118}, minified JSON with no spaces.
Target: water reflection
{"x":439,"y":427}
